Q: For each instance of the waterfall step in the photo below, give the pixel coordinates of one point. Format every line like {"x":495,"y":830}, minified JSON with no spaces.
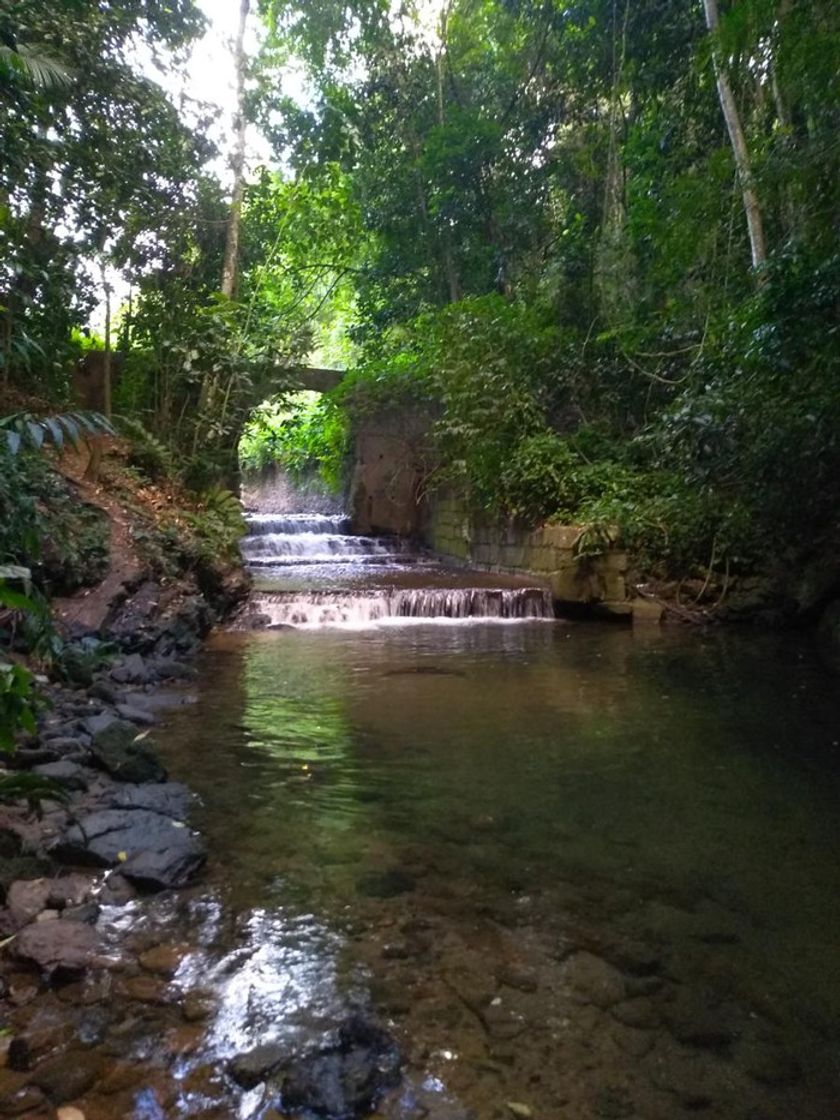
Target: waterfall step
{"x":381,"y":605}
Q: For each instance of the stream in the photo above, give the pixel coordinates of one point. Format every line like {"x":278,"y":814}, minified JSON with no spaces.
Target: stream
{"x":575,"y":870}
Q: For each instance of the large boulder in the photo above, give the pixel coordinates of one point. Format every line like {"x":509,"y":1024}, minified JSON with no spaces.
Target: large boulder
{"x":117,"y":749}
{"x":149,"y":848}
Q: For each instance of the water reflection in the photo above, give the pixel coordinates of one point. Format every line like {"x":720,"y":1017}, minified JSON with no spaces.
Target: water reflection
{"x":408,"y":815}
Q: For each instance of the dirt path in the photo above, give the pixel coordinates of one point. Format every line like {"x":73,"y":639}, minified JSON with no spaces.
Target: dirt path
{"x":90,"y":606}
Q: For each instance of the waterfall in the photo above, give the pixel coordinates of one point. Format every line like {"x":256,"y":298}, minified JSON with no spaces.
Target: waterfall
{"x":361,"y":608}
{"x":315,"y":572}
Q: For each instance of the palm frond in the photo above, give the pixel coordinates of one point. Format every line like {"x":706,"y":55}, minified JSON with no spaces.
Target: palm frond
{"x":22,"y":429}
{"x":38,"y":69}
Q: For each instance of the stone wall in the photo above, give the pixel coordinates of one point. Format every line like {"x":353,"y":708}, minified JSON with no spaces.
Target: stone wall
{"x":548,"y":553}
{"x":389,"y":468}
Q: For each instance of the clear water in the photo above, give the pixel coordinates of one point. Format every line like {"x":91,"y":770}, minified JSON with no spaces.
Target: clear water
{"x":440,"y":823}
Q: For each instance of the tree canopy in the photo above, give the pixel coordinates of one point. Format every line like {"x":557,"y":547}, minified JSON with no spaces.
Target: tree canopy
{"x":597,"y":240}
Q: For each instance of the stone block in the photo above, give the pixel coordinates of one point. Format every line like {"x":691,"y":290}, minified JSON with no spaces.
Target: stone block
{"x":613,"y":586}
{"x":513,"y":556}
{"x":647,"y":613}
{"x":542,"y":558}
{"x":615,"y":560}
{"x":571,"y":584}
{"x":562,"y":536}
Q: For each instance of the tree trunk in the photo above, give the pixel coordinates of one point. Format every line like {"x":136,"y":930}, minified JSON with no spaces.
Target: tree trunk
{"x":752,"y":209}
{"x":452,"y":280}
{"x":95,"y":442}
{"x":231,"y":259}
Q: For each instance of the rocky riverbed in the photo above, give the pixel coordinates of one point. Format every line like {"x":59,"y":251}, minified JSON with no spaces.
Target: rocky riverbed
{"x":89,"y":1011}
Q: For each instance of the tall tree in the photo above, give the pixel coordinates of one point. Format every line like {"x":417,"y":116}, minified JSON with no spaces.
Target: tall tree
{"x":230,"y":264}
{"x":743,"y":164}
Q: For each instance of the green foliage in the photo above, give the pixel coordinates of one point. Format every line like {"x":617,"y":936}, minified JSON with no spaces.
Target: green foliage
{"x":18,"y":703}
{"x":96,"y":164}
{"x":20,"y":519}
{"x":302,"y":433}
{"x":148,"y":453}
{"x":19,"y":698}
{"x":32,"y":788}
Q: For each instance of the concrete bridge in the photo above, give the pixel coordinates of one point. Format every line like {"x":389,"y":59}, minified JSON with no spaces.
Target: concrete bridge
{"x":317,"y":379}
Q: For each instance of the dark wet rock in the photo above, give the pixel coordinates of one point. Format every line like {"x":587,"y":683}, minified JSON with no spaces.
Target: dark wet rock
{"x":592,"y":980}
{"x":255,"y":621}
{"x":518,"y":976}
{"x":64,"y":744}
{"x":116,"y":890}
{"x":132,"y":670}
{"x":163,"y":960}
{"x":26,"y":898}
{"x":693,"y":1019}
{"x":150,"y":849}
{"x":396,"y":951}
{"x":385,"y":884}
{"x":612,"y":1104}
{"x":69,"y":890}
{"x":257,"y":1065}
{"x":69,"y":1076}
{"x":10,"y":843}
{"x":698,"y":1080}
{"x":87,"y":912}
{"x":26,"y":758}
{"x":197,"y":1006}
{"x":170,"y":668}
{"x":769,"y":1063}
{"x":344,"y":1082}
{"x":101,"y":690}
{"x":23,"y":867}
{"x":57,"y":947}
{"x":632,"y":1040}
{"x":19,"y":1055}
{"x":147,"y":989}
{"x":99,"y":722}
{"x":135,"y":714}
{"x":68,"y":774}
{"x":172,"y":799}
{"x":500,"y":1020}
{"x":640,"y":1013}
{"x":643,"y":985}
{"x":117,"y":750}
{"x":635,"y":958}
{"x":21,"y":1101}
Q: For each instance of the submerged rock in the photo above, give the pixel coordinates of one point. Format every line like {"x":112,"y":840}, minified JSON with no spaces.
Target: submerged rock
{"x":345,"y":1081}
{"x":592,"y":980}
{"x":69,"y":1076}
{"x":385,"y":884}
{"x":255,"y":1066}
{"x":150,"y":849}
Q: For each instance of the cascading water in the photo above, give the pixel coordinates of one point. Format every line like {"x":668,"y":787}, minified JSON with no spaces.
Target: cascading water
{"x":311,"y":571}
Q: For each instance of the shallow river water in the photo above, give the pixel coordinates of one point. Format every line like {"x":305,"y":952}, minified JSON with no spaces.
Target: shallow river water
{"x":578,"y":871}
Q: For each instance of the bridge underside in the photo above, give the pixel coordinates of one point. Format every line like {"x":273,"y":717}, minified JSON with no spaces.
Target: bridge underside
{"x":315,"y":379}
